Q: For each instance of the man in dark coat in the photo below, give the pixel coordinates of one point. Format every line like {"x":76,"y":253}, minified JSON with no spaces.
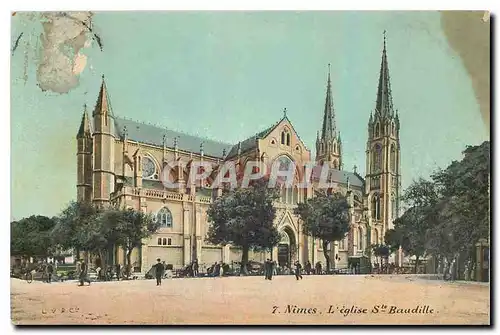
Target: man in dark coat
{"x":195,"y":268}
{"x":50,"y":272}
{"x":318,"y":268}
{"x":118,"y":270}
{"x":83,"y":273}
{"x":308,"y":267}
{"x":159,"y":270}
{"x":270,"y":269}
{"x":298,"y":267}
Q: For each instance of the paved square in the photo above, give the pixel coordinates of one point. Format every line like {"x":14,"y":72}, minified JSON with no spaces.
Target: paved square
{"x":252,"y":300}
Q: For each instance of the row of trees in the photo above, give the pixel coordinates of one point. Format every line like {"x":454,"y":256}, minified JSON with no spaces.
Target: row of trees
{"x":244,"y":217}
{"x":84,"y":227}
{"x":449,"y":213}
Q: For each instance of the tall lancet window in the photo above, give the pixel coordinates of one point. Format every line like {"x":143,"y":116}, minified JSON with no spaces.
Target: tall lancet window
{"x":377,"y":158}
{"x":393,"y":158}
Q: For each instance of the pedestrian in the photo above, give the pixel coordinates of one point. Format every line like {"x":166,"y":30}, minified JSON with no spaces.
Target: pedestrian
{"x":50,"y":271}
{"x":159,"y":270}
{"x":308,"y":267}
{"x":266,"y":269}
{"x":118,"y":271}
{"x":271,"y":269}
{"x":83,"y":273}
{"x":195,"y":268}
{"x":318,"y":268}
{"x":275,"y":268}
{"x":298,"y":267}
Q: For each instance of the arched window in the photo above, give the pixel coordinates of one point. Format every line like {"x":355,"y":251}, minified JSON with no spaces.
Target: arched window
{"x":379,"y":214}
{"x":377,"y":130}
{"x":334,"y":147}
{"x":376,"y":207}
{"x":159,"y":241}
{"x":360,"y":238}
{"x":377,"y":158}
{"x":393,"y":158}
{"x":164,"y":216}
{"x":282,"y":137}
{"x":288,"y":139}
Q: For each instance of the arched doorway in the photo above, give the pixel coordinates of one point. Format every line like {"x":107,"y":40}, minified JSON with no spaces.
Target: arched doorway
{"x":287,"y":247}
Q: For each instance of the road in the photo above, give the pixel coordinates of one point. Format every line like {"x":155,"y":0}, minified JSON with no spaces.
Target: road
{"x":345,"y":299}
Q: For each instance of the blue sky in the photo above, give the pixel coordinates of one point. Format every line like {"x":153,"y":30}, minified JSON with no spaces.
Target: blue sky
{"x":228,"y":75}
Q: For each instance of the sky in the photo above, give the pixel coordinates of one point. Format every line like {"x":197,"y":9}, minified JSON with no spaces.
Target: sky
{"x":228,"y":75}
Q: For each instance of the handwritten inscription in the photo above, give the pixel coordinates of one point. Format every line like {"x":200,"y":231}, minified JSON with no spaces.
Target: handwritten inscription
{"x":352,"y":310}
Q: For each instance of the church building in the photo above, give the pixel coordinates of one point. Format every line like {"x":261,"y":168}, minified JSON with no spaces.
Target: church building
{"x":120,"y":162}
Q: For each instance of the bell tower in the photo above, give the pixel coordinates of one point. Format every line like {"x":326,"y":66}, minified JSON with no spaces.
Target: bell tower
{"x":104,"y":143}
{"x":383,"y":154}
{"x":84,"y":160}
{"x":329,"y":145}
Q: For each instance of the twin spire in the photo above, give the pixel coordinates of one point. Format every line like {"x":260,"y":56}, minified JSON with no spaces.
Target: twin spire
{"x":328,"y":131}
{"x":384,"y":105}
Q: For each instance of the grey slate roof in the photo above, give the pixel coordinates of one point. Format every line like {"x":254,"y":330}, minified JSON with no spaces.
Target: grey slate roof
{"x":339,"y":176}
{"x":251,"y":142}
{"x":150,"y":134}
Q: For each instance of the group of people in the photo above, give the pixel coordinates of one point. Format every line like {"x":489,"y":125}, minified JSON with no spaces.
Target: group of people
{"x":270,"y":269}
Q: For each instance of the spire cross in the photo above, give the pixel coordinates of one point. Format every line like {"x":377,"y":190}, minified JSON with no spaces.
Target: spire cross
{"x":284,"y":112}
{"x":384,"y":37}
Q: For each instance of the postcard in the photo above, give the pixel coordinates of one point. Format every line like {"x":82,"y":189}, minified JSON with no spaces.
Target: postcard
{"x":250,"y":168}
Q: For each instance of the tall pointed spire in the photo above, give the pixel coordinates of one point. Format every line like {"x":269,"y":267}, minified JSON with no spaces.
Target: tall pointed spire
{"x":384,"y":94}
{"x":102,"y":103}
{"x":328,"y":129}
{"x":84,"y":125}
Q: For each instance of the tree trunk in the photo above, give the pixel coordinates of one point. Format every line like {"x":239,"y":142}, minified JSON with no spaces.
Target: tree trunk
{"x":244,"y":261}
{"x":129,"y":265}
{"x":102,"y":256}
{"x":416,"y":264}
{"x":327,"y":257}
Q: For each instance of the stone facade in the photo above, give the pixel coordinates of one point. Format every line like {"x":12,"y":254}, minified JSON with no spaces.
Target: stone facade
{"x":120,"y":162}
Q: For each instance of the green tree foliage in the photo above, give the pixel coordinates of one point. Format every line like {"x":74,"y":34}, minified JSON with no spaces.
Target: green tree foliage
{"x":382,"y":252}
{"x":132,"y":227}
{"x":244,"y":217}
{"x":448,"y":214}
{"x":32,"y":236}
{"x":325,"y":217}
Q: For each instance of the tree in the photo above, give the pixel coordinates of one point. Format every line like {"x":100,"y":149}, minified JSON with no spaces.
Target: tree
{"x":325,"y":217}
{"x":244,"y":217}
{"x":382,"y":252}
{"x":465,"y":193}
{"x":87,"y":227}
{"x":67,"y":232}
{"x":32,"y":236}
{"x":132,"y":227}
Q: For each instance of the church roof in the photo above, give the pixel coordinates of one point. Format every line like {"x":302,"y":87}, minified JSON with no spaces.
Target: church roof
{"x":251,"y":142}
{"x":339,"y":176}
{"x":151,"y":134}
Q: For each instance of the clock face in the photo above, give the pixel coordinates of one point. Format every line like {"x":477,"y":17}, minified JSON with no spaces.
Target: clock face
{"x":148,"y":168}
